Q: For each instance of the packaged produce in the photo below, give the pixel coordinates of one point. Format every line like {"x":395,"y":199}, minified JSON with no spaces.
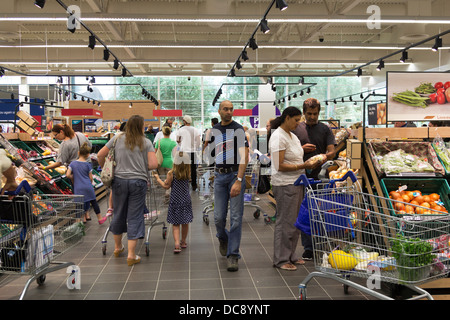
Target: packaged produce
{"x":442,"y":152}
{"x":341,"y":260}
{"x":399,"y":161}
{"x":317,"y":159}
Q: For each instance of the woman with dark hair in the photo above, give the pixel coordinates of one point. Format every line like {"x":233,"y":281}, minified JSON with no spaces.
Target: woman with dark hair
{"x":70,"y":145}
{"x":134,"y":156}
{"x":287,"y":165}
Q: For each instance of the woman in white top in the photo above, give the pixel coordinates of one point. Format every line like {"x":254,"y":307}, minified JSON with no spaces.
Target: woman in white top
{"x":287,"y":166}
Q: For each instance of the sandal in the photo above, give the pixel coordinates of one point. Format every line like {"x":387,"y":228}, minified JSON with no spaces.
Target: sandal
{"x":109,"y":212}
{"x":131,"y":262}
{"x":299,"y":262}
{"x":177,"y":250}
{"x":118,"y":252}
{"x":288,"y":267}
{"x":183,"y":245}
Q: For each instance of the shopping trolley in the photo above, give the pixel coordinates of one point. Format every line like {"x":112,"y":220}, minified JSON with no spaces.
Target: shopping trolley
{"x":154,"y":200}
{"x":206,"y":179}
{"x":355,"y":234}
{"x":35,"y":230}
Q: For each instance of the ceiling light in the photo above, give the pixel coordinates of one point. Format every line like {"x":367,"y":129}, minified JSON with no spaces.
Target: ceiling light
{"x":106,"y":54}
{"x":232,"y":73}
{"x":91,"y":42}
{"x":130,"y":105}
{"x":124,"y":72}
{"x":381,"y":65}
{"x":404,"y":56}
{"x":264,"y":26}
{"x":39,"y":3}
{"x":238,"y":64}
{"x":2,"y":72}
{"x":252,"y":44}
{"x":300,"y":82}
{"x":359,"y":72}
{"x":244,"y":55}
{"x":116,"y":64}
{"x":281,"y":4}
{"x":437,"y":44}
{"x":308,"y":91}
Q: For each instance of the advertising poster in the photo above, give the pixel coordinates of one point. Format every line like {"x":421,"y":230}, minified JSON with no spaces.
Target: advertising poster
{"x":376,"y":114}
{"x":418,"y":96}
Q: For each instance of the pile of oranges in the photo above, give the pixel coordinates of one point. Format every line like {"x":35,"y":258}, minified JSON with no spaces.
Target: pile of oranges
{"x":414,"y":202}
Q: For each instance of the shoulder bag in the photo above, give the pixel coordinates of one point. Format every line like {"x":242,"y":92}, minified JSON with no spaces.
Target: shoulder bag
{"x":107,"y":174}
{"x":159,"y":155}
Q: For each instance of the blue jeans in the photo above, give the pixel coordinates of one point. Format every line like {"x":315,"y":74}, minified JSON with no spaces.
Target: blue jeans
{"x":129,"y":207}
{"x":222,"y":188}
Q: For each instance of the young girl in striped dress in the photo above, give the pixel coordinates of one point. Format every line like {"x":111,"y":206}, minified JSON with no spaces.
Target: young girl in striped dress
{"x":180,"y":205}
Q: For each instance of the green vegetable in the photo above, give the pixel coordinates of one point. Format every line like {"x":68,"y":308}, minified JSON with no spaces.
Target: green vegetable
{"x":411,"y":98}
{"x":425,"y":88}
{"x":412,"y":256}
{"x":399,"y":161}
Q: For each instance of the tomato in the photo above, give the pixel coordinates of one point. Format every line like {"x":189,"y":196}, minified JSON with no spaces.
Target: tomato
{"x":440,"y":90}
{"x":439,"y":85}
{"x":447,"y":85}
{"x":441,"y":98}
{"x":433,"y":97}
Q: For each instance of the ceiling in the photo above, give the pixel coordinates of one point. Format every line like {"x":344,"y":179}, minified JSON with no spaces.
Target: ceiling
{"x":206,"y":37}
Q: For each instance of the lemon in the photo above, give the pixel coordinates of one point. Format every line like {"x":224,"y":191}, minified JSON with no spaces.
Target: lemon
{"x":342,"y":260}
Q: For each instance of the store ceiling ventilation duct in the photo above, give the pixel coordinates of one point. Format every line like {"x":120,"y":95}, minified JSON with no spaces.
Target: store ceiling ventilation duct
{"x":413,"y":32}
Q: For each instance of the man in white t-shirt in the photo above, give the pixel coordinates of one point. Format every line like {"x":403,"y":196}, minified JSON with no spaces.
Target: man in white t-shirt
{"x":189,"y":140}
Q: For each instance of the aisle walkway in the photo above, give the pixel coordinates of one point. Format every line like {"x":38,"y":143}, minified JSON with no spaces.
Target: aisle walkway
{"x":197,"y":273}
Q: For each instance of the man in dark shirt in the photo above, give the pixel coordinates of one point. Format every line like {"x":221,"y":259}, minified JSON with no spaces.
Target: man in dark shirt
{"x":231,"y":157}
{"x":316,"y":138}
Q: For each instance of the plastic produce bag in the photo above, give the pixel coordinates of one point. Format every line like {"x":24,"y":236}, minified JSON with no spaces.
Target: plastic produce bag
{"x":442,"y":152}
{"x":399,"y":161}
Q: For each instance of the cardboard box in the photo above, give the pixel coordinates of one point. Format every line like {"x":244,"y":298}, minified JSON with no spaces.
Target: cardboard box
{"x":29,"y":120}
{"x":354,"y":149}
{"x":25,"y":127}
{"x":355,"y":163}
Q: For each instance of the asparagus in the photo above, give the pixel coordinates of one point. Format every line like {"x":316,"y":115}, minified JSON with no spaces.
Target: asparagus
{"x":411,"y":98}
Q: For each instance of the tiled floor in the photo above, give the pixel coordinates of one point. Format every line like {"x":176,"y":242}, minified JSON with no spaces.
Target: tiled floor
{"x":197,"y":273}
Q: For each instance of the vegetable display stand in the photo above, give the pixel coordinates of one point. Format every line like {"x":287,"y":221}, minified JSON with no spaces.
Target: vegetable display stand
{"x":354,"y":235}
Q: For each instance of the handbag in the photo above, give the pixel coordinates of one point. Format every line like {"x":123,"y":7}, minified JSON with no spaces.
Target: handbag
{"x":159,"y":155}
{"x":263,"y":184}
{"x":107,"y":174}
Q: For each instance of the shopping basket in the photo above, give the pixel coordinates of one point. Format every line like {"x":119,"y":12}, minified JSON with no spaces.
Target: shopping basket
{"x":360,"y":237}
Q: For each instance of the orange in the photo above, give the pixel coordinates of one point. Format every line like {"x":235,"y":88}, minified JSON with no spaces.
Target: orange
{"x":420,"y":210}
{"x":425,"y":204}
{"x":399,"y":206}
{"x":433,"y":204}
{"x":435,"y":196}
{"x":409,"y":209}
{"x":405,"y":198}
{"x":437,"y":208}
{"x":410,"y":195}
{"x":426,"y":198}
{"x":414,"y":202}
{"x":394,"y":194}
{"x":419,"y":199}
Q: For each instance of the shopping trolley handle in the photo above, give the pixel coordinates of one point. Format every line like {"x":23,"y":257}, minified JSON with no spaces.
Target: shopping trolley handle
{"x":305,"y":181}
{"x":348,"y":174}
{"x":23,"y":185}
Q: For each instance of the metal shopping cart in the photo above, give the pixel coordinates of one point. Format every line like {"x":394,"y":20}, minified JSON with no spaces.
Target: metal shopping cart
{"x":154,"y":201}
{"x":355,"y":234}
{"x":35,"y":230}
{"x":205,"y":175}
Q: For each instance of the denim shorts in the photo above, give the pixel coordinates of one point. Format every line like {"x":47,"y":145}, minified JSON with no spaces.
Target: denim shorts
{"x":129,"y":206}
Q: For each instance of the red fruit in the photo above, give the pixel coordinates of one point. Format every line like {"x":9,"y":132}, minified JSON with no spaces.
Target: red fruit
{"x":433,"y":97}
{"x":440,"y":90}
{"x":447,"y":85}
{"x":439,"y":85}
{"x":441,"y":98}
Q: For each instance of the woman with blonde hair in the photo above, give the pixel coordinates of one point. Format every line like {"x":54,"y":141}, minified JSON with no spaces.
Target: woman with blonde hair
{"x":134,"y":156}
{"x":180,"y":204}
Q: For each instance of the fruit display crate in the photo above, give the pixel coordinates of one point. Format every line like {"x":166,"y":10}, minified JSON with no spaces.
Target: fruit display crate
{"x":425,"y":185}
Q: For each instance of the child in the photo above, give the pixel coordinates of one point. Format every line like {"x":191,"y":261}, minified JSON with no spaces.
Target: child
{"x":80,"y":172}
{"x":180,"y":204}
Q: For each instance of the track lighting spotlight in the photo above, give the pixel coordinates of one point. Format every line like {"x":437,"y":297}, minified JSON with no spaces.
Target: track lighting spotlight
{"x":264,"y":26}
{"x":381,"y":65}
{"x":359,"y":72}
{"x":252,"y":44}
{"x":92,"y":80}
{"x":404,"y":56}
{"x":106,"y":54}
{"x":361,"y":96}
{"x":124,"y":72}
{"x":274,"y":88}
{"x":334,"y":101}
{"x":92,"y":41}
{"x":300,"y":81}
{"x":82,"y":98}
{"x":232,"y":73}
{"x":39,"y":3}
{"x":26,"y":99}
{"x":130,"y":105}
{"x":351,"y":98}
{"x":437,"y":44}
{"x":238,"y":64}
{"x":326,"y":103}
{"x":2,"y":72}
{"x":116,"y":64}
{"x":244,"y":55}
{"x":74,"y":96}
{"x":308,"y":91}
{"x":342,"y":100}
{"x":301,"y":93}
{"x":281,"y":4}
{"x":295,"y":95}
{"x":88,"y":100}
{"x":289,"y":98}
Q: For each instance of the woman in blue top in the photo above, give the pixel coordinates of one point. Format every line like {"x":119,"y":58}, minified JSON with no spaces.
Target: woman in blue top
{"x":80,"y":172}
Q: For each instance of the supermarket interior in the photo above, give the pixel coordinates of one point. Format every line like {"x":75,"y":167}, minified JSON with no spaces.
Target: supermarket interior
{"x":375,"y":211}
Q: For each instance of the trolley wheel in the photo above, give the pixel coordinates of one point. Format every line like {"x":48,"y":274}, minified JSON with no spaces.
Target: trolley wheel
{"x":40,"y":280}
{"x":346,"y":288}
{"x":104,"y":249}
{"x":206,"y":220}
{"x":267,"y":220}
{"x":257,"y":213}
{"x":147,"y":250}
